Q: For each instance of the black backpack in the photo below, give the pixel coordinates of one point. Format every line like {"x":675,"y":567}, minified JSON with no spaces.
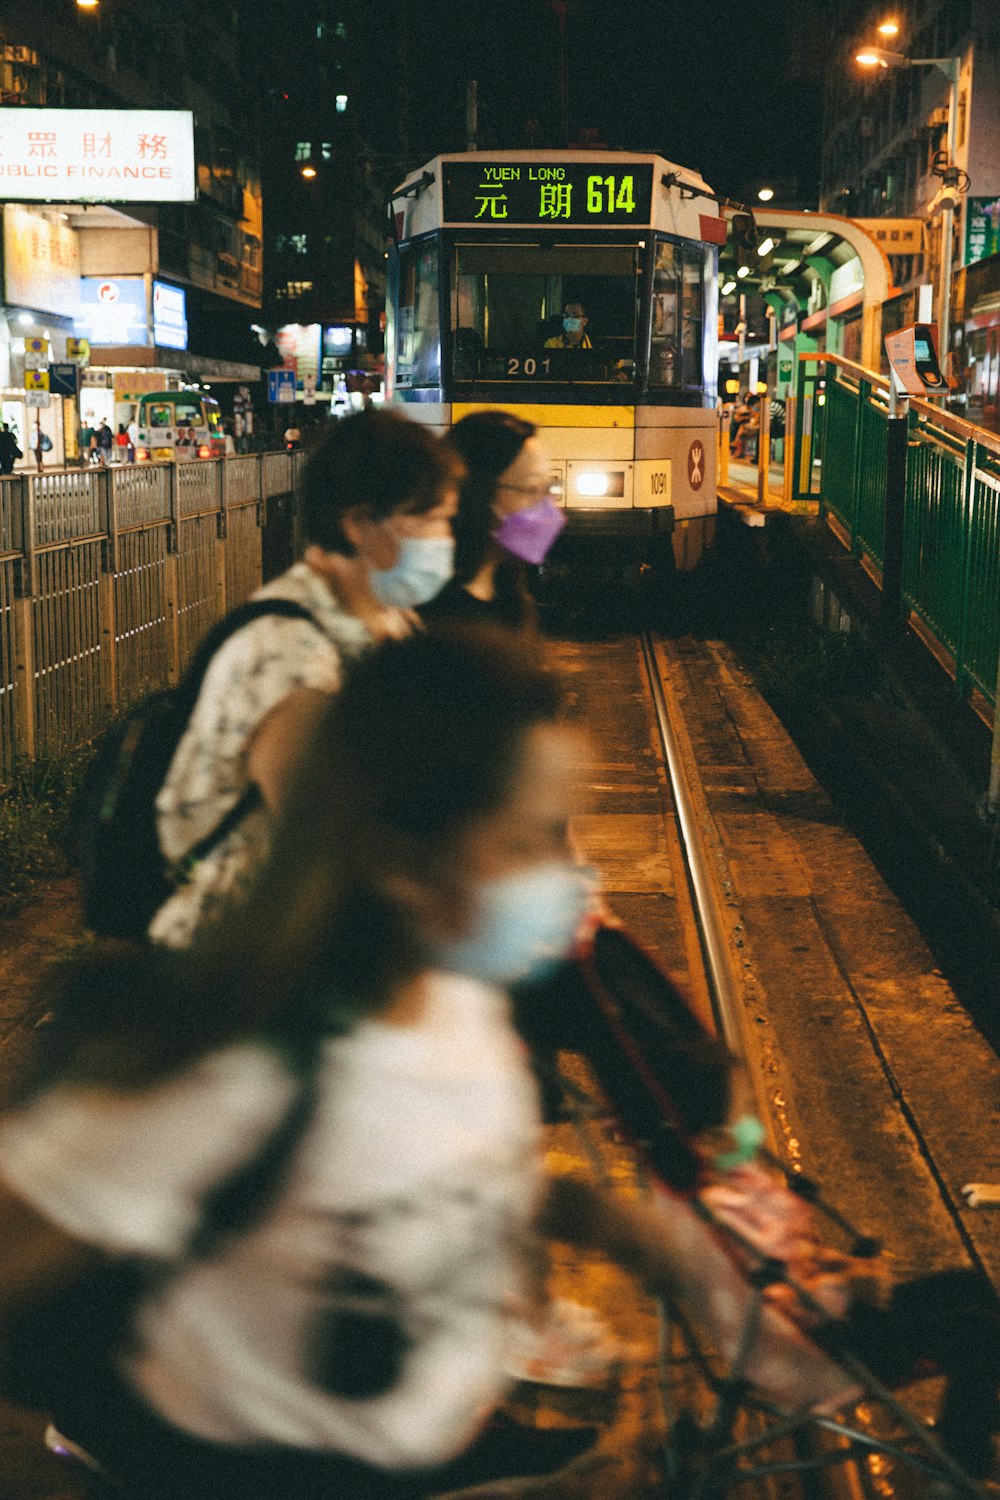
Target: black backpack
{"x":126,"y":878}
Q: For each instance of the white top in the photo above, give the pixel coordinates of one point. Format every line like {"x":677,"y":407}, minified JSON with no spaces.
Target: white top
{"x":408,"y":1197}
{"x":249,"y":676}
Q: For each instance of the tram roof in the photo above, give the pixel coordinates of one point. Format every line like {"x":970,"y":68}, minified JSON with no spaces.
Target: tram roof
{"x":443,"y":192}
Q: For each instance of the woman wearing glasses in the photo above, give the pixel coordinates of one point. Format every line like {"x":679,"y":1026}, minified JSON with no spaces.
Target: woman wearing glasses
{"x":506,"y":519}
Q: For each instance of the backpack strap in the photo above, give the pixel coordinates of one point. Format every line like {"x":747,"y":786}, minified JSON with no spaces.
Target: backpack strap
{"x":189,"y":688}
{"x":241,"y":1200}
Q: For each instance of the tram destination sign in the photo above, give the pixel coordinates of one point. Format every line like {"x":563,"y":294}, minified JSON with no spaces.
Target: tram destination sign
{"x":540,"y":192}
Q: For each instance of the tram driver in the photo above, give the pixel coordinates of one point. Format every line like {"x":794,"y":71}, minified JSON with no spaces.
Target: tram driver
{"x":574,"y":333}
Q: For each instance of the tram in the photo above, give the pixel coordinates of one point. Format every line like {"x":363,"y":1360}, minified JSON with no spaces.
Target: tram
{"x":579,"y":290}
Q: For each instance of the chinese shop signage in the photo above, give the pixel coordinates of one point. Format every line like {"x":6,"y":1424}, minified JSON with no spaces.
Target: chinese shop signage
{"x":499,"y":192}
{"x":97,"y":155}
{"x":982,"y":228}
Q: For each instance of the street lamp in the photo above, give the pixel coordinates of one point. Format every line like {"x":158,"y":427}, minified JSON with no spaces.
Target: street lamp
{"x":947,"y":197}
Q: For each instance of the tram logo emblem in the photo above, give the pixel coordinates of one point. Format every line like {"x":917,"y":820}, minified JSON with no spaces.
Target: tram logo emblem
{"x":696,"y":464}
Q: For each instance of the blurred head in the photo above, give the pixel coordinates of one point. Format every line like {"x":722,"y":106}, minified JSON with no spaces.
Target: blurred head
{"x":506,"y":471}
{"x":439,"y":776}
{"x":375,"y":477}
{"x":445,"y":771}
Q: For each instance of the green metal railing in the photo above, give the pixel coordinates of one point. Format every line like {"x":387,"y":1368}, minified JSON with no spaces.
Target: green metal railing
{"x":951,"y":516}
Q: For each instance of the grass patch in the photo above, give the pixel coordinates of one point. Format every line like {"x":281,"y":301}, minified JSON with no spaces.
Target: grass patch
{"x":796,"y":667}
{"x":34,"y":822}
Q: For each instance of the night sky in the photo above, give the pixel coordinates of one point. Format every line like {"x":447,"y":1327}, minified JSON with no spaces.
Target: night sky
{"x":705,"y":85}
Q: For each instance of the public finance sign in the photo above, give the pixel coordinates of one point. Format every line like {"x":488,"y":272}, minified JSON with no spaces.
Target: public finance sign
{"x":547,"y":193}
{"x":97,"y":155}
{"x":112,"y":310}
{"x":170,"y":329}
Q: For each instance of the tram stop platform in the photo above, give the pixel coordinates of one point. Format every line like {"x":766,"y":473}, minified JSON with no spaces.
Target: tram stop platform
{"x":739,"y":493}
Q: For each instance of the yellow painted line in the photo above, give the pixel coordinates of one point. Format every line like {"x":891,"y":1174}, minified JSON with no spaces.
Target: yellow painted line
{"x":554,"y":416}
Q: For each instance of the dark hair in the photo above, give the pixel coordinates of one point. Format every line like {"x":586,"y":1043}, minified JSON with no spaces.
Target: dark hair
{"x":488,"y":442}
{"x":425,"y":738}
{"x":376,"y":458}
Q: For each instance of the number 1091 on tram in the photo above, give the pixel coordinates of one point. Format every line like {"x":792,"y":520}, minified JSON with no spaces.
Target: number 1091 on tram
{"x":578,"y":290}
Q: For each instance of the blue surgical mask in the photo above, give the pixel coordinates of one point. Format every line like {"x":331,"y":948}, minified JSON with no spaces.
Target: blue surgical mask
{"x":572,"y":325}
{"x":423,"y":567}
{"x":524,"y":924}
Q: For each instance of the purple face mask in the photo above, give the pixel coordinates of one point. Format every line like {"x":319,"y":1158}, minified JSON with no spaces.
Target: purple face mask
{"x":528,"y":534}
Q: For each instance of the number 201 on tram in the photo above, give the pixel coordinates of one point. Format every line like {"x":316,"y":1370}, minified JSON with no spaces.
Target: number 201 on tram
{"x":579,"y":291}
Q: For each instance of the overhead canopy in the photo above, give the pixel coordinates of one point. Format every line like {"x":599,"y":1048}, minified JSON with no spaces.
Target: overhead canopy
{"x":827,"y":262}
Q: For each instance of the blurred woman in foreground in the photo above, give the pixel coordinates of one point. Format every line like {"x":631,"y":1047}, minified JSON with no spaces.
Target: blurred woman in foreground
{"x":345,"y":1334}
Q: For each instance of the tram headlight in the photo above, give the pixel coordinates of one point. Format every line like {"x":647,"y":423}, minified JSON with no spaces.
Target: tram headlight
{"x":599,"y":484}
{"x":592,"y":483}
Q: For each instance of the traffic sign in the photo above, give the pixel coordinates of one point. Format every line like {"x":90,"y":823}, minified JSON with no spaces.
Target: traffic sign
{"x":36,"y":353}
{"x":64,"y":380}
{"x":36,"y":380}
{"x":281,"y":385}
{"x":78,"y":349}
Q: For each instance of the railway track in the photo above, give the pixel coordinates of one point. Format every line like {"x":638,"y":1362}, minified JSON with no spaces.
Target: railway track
{"x":707,"y":828}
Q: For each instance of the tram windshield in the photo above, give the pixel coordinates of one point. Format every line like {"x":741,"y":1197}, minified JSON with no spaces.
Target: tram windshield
{"x":510,"y":303}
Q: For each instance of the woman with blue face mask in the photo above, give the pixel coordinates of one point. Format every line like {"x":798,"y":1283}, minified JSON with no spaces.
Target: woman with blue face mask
{"x":348,"y":1339}
{"x":507,"y":520}
{"x":376,"y":499}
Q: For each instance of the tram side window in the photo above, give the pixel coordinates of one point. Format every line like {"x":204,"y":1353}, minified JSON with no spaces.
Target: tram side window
{"x":418,"y":343}
{"x":678,"y":315}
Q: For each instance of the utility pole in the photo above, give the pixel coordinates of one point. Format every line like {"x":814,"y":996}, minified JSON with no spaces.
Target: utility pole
{"x":471,"y":114}
{"x":949,"y":66}
{"x":561,"y":8}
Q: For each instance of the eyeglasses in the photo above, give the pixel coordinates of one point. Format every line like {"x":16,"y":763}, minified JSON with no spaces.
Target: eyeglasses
{"x":541,"y":490}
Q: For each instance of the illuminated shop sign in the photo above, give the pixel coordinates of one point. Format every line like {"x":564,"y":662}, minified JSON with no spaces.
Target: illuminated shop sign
{"x":500,"y":192}
{"x":299,"y":344}
{"x":97,"y":155}
{"x":170,"y":329}
{"x":112,"y":310}
{"x":41,"y":260}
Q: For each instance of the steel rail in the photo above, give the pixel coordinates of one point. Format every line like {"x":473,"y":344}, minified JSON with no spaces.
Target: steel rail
{"x":845,"y":1481}
{"x":724,"y":989}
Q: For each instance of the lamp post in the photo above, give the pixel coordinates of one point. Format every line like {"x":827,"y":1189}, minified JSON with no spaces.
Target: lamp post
{"x":879,"y":57}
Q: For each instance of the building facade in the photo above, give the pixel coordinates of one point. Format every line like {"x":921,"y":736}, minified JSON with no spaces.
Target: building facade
{"x":162,"y":293}
{"x":885,"y":158}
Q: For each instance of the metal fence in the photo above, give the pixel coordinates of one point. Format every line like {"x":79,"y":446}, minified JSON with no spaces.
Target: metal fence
{"x":109,"y":577}
{"x":951,"y":510}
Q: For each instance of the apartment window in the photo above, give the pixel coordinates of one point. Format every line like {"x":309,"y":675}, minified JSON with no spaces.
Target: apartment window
{"x":326,"y":150}
{"x":298,"y":243}
{"x":303,"y":150}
